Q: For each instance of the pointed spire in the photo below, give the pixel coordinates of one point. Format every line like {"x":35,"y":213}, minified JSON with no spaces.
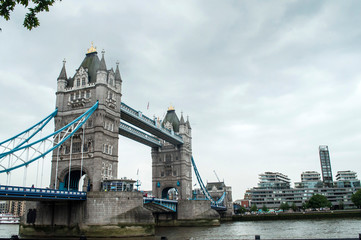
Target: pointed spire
{"x":117,"y":74}
{"x":182,"y":119}
{"x":188,"y":124}
{"x":62,"y":74}
{"x":102,"y":63}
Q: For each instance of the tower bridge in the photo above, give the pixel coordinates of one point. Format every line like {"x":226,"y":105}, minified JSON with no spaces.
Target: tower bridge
{"x":89,"y":118}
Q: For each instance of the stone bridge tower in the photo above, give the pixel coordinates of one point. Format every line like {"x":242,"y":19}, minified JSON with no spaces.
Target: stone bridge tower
{"x":172,"y":167}
{"x":95,"y":156}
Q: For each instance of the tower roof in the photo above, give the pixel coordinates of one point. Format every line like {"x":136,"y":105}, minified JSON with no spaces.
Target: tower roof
{"x":62,"y":74}
{"x":92,"y":63}
{"x":172,"y":118}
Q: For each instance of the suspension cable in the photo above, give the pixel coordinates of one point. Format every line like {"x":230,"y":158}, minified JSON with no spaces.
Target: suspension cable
{"x":71,"y":153}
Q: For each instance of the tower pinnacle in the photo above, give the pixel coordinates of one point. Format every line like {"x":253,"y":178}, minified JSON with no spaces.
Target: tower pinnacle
{"x":92,"y":49}
{"x":62,"y":74}
{"x":103,"y":66}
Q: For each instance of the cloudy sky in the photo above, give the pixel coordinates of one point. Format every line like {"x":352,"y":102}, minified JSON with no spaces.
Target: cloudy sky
{"x":264,"y":83}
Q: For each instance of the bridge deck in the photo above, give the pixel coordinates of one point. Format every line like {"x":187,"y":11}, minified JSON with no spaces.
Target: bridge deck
{"x":137,"y":119}
{"x":36,"y":194}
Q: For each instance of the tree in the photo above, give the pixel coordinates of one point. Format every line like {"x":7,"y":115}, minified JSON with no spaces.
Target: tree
{"x":341,"y":204}
{"x":254,"y":208}
{"x":31,"y":20}
{"x":264,"y":208}
{"x":284,"y":206}
{"x":242,"y":210}
{"x":356,"y":198}
{"x":294,"y":207}
{"x":318,"y":201}
{"x":304,"y":206}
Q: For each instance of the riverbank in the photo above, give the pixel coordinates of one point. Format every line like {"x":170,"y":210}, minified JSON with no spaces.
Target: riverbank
{"x":299,"y":215}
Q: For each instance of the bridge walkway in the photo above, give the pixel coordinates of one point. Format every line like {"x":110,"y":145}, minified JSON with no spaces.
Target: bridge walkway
{"x":141,"y":121}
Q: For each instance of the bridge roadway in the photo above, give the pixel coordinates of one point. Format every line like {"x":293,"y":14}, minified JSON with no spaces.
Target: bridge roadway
{"x":141,"y":121}
{"x":36,"y":194}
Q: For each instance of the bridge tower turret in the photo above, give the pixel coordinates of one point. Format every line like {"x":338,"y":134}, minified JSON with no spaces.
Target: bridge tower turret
{"x":93,"y":150}
{"x":172,"y":167}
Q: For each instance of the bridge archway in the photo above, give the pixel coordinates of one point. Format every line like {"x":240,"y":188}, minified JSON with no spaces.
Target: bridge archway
{"x":170,"y":193}
{"x":75,"y":177}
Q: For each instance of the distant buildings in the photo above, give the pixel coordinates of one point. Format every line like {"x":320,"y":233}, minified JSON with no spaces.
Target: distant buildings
{"x":274,"y":188}
{"x":16,"y":208}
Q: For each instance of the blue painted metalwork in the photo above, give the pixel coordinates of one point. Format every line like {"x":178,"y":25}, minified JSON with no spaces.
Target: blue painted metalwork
{"x":204,"y":189}
{"x":67,"y":132}
{"x":219,"y":208}
{"x":169,"y":204}
{"x":26,"y":193}
{"x":150,"y":124}
{"x":37,"y":127}
{"x":138,"y":135}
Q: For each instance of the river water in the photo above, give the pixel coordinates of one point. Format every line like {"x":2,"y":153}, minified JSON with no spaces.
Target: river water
{"x":282,"y":229}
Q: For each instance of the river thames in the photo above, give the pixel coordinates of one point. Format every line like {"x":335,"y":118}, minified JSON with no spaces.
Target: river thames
{"x":282,"y":229}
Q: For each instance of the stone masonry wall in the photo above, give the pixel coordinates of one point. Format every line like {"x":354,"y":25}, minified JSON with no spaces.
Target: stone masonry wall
{"x":116,"y":208}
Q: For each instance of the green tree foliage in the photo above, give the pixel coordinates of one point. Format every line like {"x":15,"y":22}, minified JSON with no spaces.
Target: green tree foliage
{"x":284,"y":206}
{"x":254,"y":208}
{"x":242,"y":210}
{"x":356,"y":198}
{"x":264,"y":208}
{"x":341,"y":204}
{"x":36,"y":6}
{"x":304,"y":206}
{"x":318,"y":201}
{"x":294,"y":207}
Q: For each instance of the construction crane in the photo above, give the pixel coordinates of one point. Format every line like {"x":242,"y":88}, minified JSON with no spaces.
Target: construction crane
{"x":216,"y":175}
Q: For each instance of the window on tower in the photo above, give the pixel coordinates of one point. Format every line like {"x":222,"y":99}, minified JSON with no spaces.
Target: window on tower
{"x":78,"y":82}
{"x":83,"y":81}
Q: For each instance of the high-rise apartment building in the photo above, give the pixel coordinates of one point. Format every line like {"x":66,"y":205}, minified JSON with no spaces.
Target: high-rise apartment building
{"x":325,"y":166}
{"x":273,"y":180}
{"x":347,"y":179}
{"x":309,"y":179}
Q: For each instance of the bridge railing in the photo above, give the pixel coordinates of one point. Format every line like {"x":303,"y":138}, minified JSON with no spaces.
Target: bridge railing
{"x":29,"y":192}
{"x":149,"y":121}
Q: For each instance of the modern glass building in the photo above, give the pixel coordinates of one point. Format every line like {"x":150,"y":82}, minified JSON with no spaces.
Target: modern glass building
{"x":325,"y":166}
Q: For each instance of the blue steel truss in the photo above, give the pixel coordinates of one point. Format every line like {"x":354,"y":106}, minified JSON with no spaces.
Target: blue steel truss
{"x":25,"y":136}
{"x":214,"y":203}
{"x":168,"y":204}
{"x":15,"y":156}
{"x":137,"y":119}
{"x":139,"y":136}
{"x":26,"y":193}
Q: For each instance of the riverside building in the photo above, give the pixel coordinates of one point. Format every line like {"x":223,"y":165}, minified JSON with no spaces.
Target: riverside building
{"x":347,"y":179}
{"x":271,"y":196}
